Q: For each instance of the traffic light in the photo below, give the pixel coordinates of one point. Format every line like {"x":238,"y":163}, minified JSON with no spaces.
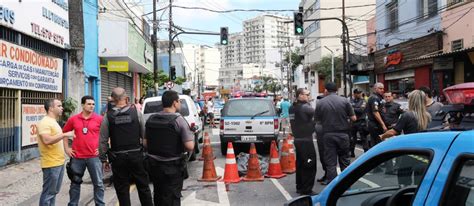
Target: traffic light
{"x":224,"y":35}
{"x":173,"y":73}
{"x":298,"y":23}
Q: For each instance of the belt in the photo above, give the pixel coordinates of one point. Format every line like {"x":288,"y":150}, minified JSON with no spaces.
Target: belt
{"x":127,"y":151}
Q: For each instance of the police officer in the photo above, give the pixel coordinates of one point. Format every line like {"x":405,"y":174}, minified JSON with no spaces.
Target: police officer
{"x":123,"y":125}
{"x":318,"y":129}
{"x":375,"y":112}
{"x":334,"y":113}
{"x":301,"y":120}
{"x":359,"y":126}
{"x":168,"y":136}
{"x":392,"y":111}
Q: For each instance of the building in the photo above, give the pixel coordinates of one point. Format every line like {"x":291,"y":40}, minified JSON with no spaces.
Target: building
{"x":34,"y":49}
{"x":208,"y":66}
{"x":125,"y":49}
{"x":323,"y":38}
{"x":232,"y":60}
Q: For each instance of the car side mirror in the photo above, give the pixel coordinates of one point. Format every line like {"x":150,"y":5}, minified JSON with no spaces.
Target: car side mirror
{"x":300,"y":201}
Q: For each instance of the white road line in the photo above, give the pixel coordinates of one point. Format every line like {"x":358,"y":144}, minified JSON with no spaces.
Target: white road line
{"x":281,"y":189}
{"x":221,"y":191}
{"x":359,"y":149}
{"x":363,"y":180}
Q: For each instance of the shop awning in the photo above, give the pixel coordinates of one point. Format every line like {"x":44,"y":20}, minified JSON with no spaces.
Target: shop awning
{"x":443,"y":54}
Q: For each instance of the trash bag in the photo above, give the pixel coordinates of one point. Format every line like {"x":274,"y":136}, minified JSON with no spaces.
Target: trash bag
{"x":242,"y":162}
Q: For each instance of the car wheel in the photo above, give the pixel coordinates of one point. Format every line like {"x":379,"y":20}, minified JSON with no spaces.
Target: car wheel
{"x":223,"y":148}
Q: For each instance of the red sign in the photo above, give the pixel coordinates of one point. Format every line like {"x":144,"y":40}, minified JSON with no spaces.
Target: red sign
{"x":393,"y":59}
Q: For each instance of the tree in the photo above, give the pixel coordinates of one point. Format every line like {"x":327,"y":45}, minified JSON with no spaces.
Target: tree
{"x":323,"y":68}
{"x":148,"y":82}
{"x":295,"y":58}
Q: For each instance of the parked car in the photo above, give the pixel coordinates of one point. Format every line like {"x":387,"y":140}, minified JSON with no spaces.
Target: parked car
{"x":248,"y":120}
{"x":432,"y":168}
{"x":188,"y":110}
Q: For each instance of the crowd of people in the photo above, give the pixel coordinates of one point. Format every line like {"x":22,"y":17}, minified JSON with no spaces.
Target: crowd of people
{"x":116,"y":142}
{"x":338,"y":122}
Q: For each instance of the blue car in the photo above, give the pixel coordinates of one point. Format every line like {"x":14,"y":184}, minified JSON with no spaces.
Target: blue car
{"x":432,"y":168}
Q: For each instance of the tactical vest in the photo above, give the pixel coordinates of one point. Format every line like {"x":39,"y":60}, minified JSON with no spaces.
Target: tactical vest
{"x":163,"y":138}
{"x":124,"y":129}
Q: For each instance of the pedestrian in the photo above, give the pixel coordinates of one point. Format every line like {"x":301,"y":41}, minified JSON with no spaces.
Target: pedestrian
{"x":168,"y":136}
{"x":285,"y":112}
{"x":360,"y":125}
{"x":335,"y":113}
{"x":138,"y":105}
{"x":210,"y":114}
{"x":392,"y":110}
{"x":85,"y":151}
{"x":302,"y":126}
{"x":123,"y":125}
{"x":375,"y":113}
{"x":416,"y":119}
{"x":318,"y":129}
{"x":432,"y":106}
{"x":51,"y":151}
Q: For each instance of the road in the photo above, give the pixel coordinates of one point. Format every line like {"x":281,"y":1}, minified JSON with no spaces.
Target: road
{"x":268,"y":192}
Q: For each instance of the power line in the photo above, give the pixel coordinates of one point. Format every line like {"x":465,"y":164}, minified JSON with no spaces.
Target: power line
{"x":458,"y":19}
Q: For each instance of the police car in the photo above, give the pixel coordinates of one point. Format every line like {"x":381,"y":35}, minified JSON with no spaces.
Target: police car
{"x":248,"y":120}
{"x":188,"y":110}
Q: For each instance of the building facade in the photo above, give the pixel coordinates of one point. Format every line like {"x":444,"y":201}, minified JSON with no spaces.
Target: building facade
{"x":34,"y":45}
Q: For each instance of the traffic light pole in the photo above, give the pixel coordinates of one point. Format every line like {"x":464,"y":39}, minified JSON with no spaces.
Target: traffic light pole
{"x":345,"y":46}
{"x":170,"y":34}
{"x":155,"y":55}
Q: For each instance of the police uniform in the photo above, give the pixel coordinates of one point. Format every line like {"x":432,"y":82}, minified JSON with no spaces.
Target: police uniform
{"x":166,"y":134}
{"x":334,"y":112}
{"x":359,"y":106}
{"x":392,"y":113}
{"x":302,"y":126}
{"x":124,"y":127}
{"x":375,"y":104}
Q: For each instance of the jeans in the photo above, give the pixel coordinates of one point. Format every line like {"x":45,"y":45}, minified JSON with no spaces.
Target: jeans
{"x":52,"y":180}
{"x":94,"y":167}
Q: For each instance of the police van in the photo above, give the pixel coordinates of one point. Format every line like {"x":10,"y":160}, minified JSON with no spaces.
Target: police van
{"x":248,"y":120}
{"x":188,"y":110}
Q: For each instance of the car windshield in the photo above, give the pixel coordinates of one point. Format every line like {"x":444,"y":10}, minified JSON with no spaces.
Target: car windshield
{"x":157,"y":106}
{"x":249,"y":107}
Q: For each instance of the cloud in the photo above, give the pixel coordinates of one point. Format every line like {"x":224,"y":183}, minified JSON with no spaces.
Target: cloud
{"x":183,"y":16}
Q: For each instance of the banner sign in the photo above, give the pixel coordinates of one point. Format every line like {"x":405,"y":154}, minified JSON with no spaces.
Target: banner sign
{"x":117,"y":66}
{"x":31,"y":115}
{"x":22,"y":68}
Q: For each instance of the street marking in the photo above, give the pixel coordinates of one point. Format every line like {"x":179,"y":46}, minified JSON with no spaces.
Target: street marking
{"x":359,"y":149}
{"x":221,"y":190}
{"x":215,"y":132}
{"x":363,"y":180}
{"x":281,"y":189}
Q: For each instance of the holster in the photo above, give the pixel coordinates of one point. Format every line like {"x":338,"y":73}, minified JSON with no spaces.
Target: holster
{"x":73,"y":176}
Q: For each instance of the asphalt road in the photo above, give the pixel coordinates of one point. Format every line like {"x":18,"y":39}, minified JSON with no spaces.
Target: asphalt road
{"x":268,"y":192}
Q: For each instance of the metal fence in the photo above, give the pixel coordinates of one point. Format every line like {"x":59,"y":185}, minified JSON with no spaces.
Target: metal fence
{"x":8,"y":102}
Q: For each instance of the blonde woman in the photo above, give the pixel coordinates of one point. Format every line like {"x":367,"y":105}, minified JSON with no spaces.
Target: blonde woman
{"x":414,"y":120}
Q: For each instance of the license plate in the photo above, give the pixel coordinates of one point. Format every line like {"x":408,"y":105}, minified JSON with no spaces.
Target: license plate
{"x":248,"y":138}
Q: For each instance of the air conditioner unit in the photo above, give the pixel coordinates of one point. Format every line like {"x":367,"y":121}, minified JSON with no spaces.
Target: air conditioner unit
{"x":457,"y":45}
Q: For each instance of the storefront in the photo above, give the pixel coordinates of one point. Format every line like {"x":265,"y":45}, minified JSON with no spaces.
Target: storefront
{"x":401,"y":70}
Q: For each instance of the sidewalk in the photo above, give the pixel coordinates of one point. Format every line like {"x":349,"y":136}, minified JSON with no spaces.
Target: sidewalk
{"x":21,"y":184}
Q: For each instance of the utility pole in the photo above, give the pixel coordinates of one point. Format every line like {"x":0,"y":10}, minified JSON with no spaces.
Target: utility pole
{"x":154,"y":40}
{"x":170,"y":36}
{"x":344,"y":58}
{"x":332,"y":63}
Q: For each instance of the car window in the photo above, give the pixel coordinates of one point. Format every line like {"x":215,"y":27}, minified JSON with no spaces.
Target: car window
{"x":460,"y":189}
{"x":249,"y":107}
{"x":388,"y":176}
{"x":157,"y":106}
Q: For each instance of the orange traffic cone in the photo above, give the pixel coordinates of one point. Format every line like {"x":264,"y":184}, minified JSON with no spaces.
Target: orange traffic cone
{"x":288,"y":164}
{"x":231,"y":174}
{"x":253,"y":167}
{"x":207,"y":149}
{"x":209,"y":171}
{"x":274,"y":169}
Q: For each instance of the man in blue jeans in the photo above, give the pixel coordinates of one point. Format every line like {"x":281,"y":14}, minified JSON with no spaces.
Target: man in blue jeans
{"x":84,"y":152}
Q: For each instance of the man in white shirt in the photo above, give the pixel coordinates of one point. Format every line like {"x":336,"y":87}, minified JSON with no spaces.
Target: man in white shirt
{"x":210,"y":114}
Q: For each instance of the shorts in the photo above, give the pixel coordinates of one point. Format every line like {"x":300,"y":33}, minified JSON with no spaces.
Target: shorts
{"x":210,"y":115}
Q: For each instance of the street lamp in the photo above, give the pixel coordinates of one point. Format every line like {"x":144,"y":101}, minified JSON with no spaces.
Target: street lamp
{"x":332,"y":63}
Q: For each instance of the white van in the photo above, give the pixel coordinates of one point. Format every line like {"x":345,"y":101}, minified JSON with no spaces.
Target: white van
{"x":153,"y":105}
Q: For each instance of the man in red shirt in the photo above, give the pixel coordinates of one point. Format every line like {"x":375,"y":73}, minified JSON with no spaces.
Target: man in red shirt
{"x":85,"y":151}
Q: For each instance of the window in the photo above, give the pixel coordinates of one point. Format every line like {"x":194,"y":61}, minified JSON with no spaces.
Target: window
{"x":452,"y":2}
{"x":311,"y":28}
{"x":157,"y":106}
{"x":460,"y":190}
{"x":249,"y":107}
{"x":392,"y":14}
{"x":377,"y":179}
{"x":457,"y":45}
{"x":427,"y":8}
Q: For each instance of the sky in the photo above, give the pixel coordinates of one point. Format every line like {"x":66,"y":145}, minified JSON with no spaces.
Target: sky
{"x":210,"y":21}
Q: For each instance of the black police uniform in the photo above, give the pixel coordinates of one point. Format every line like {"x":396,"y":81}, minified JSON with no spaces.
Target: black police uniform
{"x":375,"y":104}
{"x":360,"y":125}
{"x":302,"y":126}
{"x":334,"y":112}
{"x":392,"y":113}
{"x":167,"y":163}
{"x":123,"y":126}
